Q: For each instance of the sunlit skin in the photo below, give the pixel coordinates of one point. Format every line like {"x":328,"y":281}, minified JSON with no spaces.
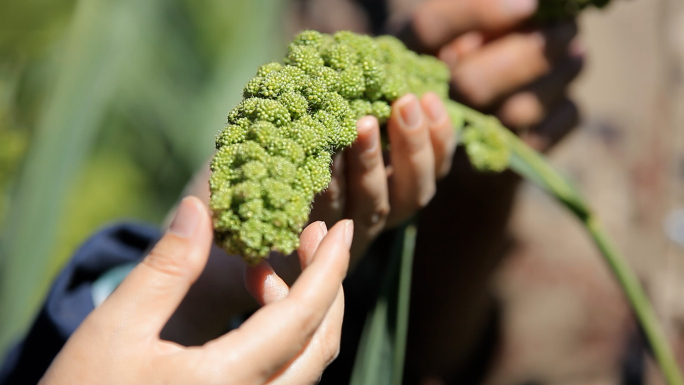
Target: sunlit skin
{"x":290,"y":340}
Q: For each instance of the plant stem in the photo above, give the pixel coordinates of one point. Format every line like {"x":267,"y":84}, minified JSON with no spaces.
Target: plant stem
{"x":403,"y":299}
{"x":531,"y":165}
{"x":639,"y":302}
{"x":382,"y":349}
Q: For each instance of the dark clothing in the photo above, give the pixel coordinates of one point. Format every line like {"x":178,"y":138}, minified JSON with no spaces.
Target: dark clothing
{"x":70,"y":299}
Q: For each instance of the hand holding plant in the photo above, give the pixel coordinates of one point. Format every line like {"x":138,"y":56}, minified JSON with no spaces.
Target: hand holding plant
{"x":119,"y":342}
{"x":374,"y":195}
{"x":379,"y":196}
{"x":519,"y":71}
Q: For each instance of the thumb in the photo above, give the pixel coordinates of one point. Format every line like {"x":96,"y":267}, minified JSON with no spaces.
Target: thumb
{"x":437,"y":22}
{"x":153,"y":290}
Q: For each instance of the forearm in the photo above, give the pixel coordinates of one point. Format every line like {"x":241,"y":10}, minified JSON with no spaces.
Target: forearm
{"x":462,"y":239}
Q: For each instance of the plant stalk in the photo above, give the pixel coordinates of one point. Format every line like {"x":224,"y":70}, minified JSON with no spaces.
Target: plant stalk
{"x":382,"y":349}
{"x":403,"y":299}
{"x":531,"y":165}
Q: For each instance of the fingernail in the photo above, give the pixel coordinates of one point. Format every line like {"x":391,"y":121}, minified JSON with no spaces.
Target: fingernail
{"x":435,"y":108}
{"x":410,"y":113}
{"x":323,"y":227}
{"x":520,"y":7}
{"x":186,"y":219}
{"x":348,"y":232}
{"x":365,"y":129}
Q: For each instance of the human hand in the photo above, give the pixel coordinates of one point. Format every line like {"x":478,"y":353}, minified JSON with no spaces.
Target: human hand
{"x":378,"y":197}
{"x":289,"y":341}
{"x":501,"y":63}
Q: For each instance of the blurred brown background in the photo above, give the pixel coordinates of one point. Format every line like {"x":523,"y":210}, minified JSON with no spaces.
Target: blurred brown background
{"x":566,"y":320}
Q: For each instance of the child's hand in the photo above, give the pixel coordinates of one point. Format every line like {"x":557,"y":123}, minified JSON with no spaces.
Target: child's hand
{"x":289,"y":341}
{"x":378,"y":196}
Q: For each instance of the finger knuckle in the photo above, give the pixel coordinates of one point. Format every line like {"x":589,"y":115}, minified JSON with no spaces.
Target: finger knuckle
{"x":333,"y":197}
{"x":521,"y":110}
{"x":425,"y":195}
{"x":492,"y":15}
{"x":308,"y":318}
{"x":469,"y":89}
{"x":444,"y":150}
{"x":419,"y":199}
{"x":529,"y":55}
{"x":413,"y":143}
{"x":381,"y":211}
{"x":330,"y":351}
{"x":443,"y":170}
{"x":192,"y":367}
{"x":445,"y":167}
{"x":370,"y":159}
{"x":312,"y":376}
{"x":316,"y":379}
{"x":375,"y":216}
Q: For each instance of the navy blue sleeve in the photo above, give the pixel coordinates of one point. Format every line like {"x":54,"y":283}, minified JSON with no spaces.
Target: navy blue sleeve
{"x":70,"y":299}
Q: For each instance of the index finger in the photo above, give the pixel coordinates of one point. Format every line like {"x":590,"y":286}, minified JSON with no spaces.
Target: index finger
{"x":277,"y":332}
{"x":437,"y":22}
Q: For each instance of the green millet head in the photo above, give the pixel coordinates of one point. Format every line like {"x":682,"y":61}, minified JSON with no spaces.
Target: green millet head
{"x":487,"y":148}
{"x":275,"y":154}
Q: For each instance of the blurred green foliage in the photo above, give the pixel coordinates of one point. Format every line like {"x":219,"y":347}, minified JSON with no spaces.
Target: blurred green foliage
{"x":106,"y":109}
